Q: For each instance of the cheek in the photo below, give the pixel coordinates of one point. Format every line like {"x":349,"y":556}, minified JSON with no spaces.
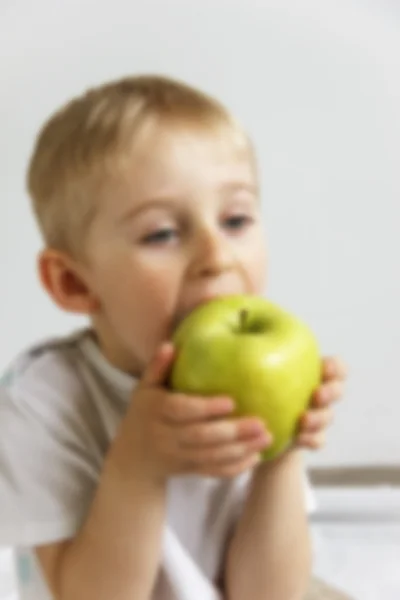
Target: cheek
{"x":146,"y":318}
{"x":140,"y":289}
{"x":257,"y":264}
{"x":137,"y":295}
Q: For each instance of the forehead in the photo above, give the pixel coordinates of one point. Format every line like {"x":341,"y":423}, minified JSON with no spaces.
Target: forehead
{"x":187,"y":157}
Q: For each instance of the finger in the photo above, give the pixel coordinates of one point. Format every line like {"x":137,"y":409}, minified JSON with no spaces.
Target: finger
{"x":314,"y":420}
{"x":224,"y":453}
{"x":221,"y":431}
{"x":334,"y":367}
{"x":232,"y":469}
{"x":158,"y":369}
{"x":312,"y":441}
{"x":328,"y":393}
{"x":181,"y":408}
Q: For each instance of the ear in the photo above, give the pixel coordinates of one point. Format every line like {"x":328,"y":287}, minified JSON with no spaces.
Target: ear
{"x":65,"y":282}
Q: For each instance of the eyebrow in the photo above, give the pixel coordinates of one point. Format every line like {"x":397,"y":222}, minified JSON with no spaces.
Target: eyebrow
{"x":170,"y":202}
{"x":239,"y":186}
{"x":149,"y":204}
{"x":251,"y":188}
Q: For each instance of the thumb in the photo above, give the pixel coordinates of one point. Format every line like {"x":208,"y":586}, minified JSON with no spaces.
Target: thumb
{"x":157,"y":371}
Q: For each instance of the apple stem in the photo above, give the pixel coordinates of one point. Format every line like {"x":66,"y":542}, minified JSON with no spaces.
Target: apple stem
{"x":244,"y":313}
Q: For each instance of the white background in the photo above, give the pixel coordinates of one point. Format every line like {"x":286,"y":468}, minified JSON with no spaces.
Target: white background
{"x":318,"y":86}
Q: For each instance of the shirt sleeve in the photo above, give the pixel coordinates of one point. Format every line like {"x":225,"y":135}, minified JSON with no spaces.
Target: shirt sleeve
{"x":48,"y":467}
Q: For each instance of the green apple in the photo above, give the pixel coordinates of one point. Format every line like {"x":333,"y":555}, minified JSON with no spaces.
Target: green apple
{"x":266,"y":359}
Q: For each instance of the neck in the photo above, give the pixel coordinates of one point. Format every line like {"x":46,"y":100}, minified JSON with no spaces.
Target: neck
{"x":115,"y":352}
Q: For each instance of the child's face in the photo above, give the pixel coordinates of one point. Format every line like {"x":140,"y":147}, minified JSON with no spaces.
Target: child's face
{"x":183,"y":228}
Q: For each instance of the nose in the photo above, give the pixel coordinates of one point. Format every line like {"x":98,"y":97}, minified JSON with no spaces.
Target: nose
{"x":212,"y":254}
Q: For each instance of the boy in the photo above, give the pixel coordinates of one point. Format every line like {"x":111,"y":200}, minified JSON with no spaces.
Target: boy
{"x":111,"y":486}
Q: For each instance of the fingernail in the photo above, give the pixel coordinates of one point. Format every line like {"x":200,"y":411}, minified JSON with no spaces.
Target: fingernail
{"x":324,"y":397}
{"x":266,"y":438}
{"x":309,"y":420}
{"x":257,"y":460}
{"x":227,"y":404}
{"x":257,"y":427}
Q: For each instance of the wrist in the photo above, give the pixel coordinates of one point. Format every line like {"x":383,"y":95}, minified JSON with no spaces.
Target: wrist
{"x":292,"y":458}
{"x":134,"y":464}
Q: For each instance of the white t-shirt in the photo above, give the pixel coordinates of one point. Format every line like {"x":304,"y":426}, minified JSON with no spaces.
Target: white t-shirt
{"x":60,"y":405}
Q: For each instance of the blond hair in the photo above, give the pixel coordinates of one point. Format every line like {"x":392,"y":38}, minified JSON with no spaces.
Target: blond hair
{"x":79,"y":146}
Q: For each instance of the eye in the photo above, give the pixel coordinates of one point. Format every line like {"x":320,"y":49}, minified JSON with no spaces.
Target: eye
{"x":161,"y":236}
{"x":238,"y":222}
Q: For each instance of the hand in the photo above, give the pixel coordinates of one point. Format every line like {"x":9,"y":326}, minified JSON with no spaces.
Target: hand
{"x":315,"y":421}
{"x":174,"y":433}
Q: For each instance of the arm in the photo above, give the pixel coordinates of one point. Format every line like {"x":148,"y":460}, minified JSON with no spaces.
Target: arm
{"x":117,"y":553}
{"x":269,"y":557}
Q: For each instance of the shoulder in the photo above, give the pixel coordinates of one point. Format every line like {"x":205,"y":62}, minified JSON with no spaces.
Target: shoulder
{"x":51,"y":445}
{"x":55,"y":357}
{"x":44,"y":383}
